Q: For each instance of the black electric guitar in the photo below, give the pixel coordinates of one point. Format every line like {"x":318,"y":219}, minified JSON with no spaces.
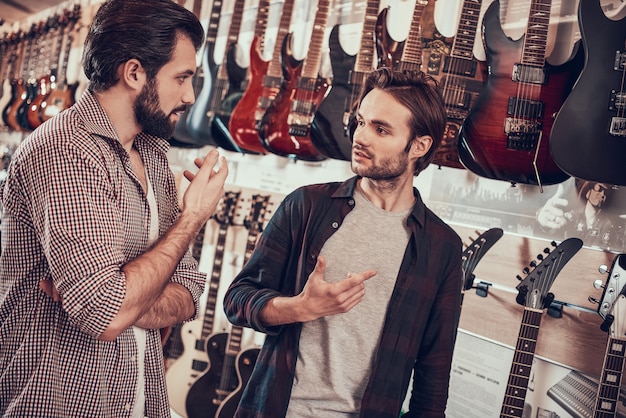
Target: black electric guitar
{"x":534,"y":295}
{"x":474,"y":252}
{"x":588,"y":138}
{"x":612,"y":308}
{"x":328,"y":133}
{"x":245,"y":360}
{"x":506,"y":133}
{"x":198,"y":121}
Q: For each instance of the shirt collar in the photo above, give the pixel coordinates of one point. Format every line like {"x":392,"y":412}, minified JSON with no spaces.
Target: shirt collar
{"x":97,"y":122}
{"x":418,"y":214}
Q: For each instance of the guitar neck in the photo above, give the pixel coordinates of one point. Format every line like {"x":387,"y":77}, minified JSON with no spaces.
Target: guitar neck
{"x":515,"y":395}
{"x":233,"y":34}
{"x":412,"y":51}
{"x":261,"y":22}
{"x":535,"y":40}
{"x":208,"y":321}
{"x":365,"y":58}
{"x":463,"y":45}
{"x":275,"y":70}
{"x":311,"y":66}
{"x":611,"y":381}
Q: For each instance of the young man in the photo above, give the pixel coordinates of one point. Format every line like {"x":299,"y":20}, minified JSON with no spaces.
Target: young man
{"x":357,"y":284}
{"x":95,"y":247}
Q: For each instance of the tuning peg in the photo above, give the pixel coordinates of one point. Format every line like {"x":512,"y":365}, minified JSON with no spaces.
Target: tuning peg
{"x":526,"y":270}
{"x":540,"y":257}
{"x":598,"y":284}
{"x":533,"y":264}
{"x":603,"y":269}
{"x":606,"y":325}
{"x":519,"y":277}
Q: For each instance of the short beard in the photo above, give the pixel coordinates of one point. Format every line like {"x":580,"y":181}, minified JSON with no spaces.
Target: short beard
{"x":387,"y":169}
{"x":148,"y":112}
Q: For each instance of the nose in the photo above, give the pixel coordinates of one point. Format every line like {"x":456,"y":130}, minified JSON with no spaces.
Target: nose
{"x":189,"y":95}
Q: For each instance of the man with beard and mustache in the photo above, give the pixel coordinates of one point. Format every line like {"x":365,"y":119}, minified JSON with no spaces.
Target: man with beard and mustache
{"x":357,"y":284}
{"x":95,"y":245}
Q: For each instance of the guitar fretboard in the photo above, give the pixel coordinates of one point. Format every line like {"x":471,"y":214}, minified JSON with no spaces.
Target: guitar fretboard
{"x":515,"y":395}
{"x":365,"y":57}
{"x":536,"y":37}
{"x":610,"y":384}
{"x":275,"y":69}
{"x":463,"y":45}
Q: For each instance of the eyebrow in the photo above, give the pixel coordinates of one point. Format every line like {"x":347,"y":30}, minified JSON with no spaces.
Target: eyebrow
{"x":381,"y":122}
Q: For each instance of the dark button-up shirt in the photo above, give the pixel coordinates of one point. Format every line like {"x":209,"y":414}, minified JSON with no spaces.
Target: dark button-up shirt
{"x":421,"y":321}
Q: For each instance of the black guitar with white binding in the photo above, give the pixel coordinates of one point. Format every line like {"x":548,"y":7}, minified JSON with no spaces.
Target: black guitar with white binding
{"x":534,"y":294}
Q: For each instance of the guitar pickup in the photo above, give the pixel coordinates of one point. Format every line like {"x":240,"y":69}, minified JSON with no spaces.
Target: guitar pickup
{"x":620,"y":61}
{"x":299,"y":130}
{"x":529,"y":74}
{"x":305,"y":108}
{"x":460,"y":66}
{"x":457,"y":98}
{"x":618,"y":126}
{"x":617,"y":100}
{"x":525,"y":108}
{"x":272,"y":82}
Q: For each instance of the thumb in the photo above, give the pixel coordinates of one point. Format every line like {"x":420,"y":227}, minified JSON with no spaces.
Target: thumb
{"x":320,"y":268}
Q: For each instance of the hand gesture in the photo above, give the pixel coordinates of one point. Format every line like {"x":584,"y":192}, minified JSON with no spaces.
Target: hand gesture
{"x":206,"y":187}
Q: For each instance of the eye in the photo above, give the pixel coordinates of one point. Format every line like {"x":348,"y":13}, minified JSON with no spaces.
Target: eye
{"x":381,"y":130}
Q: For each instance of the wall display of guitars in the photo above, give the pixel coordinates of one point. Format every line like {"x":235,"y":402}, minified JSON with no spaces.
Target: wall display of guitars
{"x":534,"y":294}
{"x":34,"y":65}
{"x":588,"y":138}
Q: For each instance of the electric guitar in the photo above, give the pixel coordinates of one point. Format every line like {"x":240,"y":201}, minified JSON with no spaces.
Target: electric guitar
{"x":228,"y":85}
{"x":588,"y":137}
{"x":474,"y":252}
{"x":461,"y":77}
{"x":534,"y":295}
{"x":56,"y":28}
{"x":264,"y":83}
{"x":199,"y":115}
{"x":9,"y":61}
{"x":612,"y":308}
{"x":62,"y":94}
{"x":223,"y":114}
{"x":285,"y":127}
{"x":242,"y":361}
{"x":199,"y":356}
{"x":19,"y":90}
{"x":506,"y":133}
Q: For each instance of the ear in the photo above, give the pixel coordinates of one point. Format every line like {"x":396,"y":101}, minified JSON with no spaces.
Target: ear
{"x":421,"y":145}
{"x":133,"y":74}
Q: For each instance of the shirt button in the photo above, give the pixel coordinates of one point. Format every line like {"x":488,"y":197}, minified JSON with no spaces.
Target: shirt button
{"x":335,"y":225}
{"x":351,"y":202}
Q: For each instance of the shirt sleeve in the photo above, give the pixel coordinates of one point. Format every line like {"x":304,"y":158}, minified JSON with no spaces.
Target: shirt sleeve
{"x":262,"y":277}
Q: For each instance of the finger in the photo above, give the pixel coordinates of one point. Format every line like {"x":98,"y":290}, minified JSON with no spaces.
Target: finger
{"x":206,"y":168}
{"x":357,"y":278}
{"x":189,"y":175}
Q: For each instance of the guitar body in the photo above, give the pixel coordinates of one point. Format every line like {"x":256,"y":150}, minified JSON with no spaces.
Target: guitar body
{"x":388,"y":50}
{"x":198,"y":120}
{"x":19,"y":96}
{"x":9,"y":100}
{"x":581,"y":142}
{"x":22,"y":111}
{"x":245,"y":364}
{"x":221,"y":117}
{"x":200,"y":398}
{"x":5,"y":100}
{"x":242,"y":122}
{"x":58,"y":100}
{"x":484,"y":146}
{"x":274,"y":128}
{"x":186,"y":370}
{"x":181,"y":137}
{"x":32,"y":114}
{"x":327,"y":129}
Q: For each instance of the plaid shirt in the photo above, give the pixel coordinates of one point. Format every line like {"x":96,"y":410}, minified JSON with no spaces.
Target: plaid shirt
{"x":75,"y":213}
{"x":421,"y":321}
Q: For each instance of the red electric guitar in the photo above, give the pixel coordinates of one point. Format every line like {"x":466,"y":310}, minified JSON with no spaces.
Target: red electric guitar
{"x":264,"y":79}
{"x":506,"y":133}
{"x":285,"y":127}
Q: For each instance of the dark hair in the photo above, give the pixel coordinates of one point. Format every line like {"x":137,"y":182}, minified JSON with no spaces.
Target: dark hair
{"x":419,"y":93}
{"x":146,"y":30}
{"x":583,"y":187}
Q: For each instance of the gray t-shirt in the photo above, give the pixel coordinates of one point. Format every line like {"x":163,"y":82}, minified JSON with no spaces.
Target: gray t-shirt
{"x":336,"y":352}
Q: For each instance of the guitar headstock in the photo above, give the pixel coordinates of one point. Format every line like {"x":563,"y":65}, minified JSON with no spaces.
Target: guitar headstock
{"x":254,"y":221}
{"x":534,"y":289}
{"x":226,"y":211}
{"x":475,"y":251}
{"x":612,"y":306}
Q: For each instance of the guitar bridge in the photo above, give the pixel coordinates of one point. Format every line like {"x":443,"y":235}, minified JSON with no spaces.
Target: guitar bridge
{"x":620,"y":61}
{"x":522,"y":134}
{"x":299,"y":130}
{"x":618,"y":126}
